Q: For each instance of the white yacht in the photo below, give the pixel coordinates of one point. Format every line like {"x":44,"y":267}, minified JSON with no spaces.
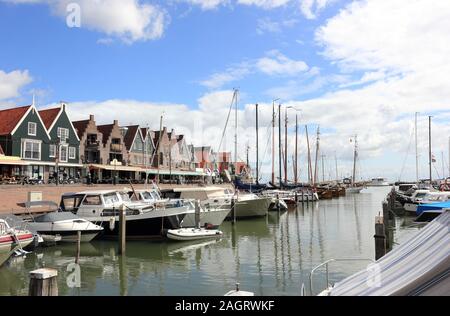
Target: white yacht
{"x":143,"y":220}
{"x":215,"y":204}
{"x":378,"y":182}
{"x":62,"y":226}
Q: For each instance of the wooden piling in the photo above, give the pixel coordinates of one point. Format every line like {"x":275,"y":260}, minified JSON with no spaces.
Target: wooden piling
{"x":380,"y":237}
{"x":296,"y":198}
{"x":122,"y":230}
{"x":77,"y":258}
{"x":303,"y":196}
{"x":197,"y":213}
{"x":43,"y":282}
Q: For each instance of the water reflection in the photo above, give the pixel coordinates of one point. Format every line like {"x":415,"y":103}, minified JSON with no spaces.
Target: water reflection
{"x":269,"y":256}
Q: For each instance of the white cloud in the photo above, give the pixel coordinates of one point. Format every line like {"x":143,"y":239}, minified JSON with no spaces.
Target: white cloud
{"x":128,"y":20}
{"x":12,"y":82}
{"x":267,"y":25}
{"x":207,"y":4}
{"x":273,"y":64}
{"x":311,"y":8}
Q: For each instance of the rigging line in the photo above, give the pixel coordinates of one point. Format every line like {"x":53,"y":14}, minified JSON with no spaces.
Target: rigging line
{"x":226,"y":123}
{"x":406,"y":156}
{"x":269,"y":128}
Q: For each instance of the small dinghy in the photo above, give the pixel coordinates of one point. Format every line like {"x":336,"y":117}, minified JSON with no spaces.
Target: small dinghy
{"x":193,"y":233}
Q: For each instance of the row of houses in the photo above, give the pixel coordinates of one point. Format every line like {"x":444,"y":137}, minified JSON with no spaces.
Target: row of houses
{"x":40,"y":144}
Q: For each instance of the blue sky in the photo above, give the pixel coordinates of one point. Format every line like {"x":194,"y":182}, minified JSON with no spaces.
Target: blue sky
{"x":352,"y":67}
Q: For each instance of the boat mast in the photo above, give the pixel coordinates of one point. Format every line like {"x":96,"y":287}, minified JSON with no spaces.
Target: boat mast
{"x":285,"y":147}
{"x":235,"y":96}
{"x":355,"y":155}
{"x":309,"y":156}
{"x":429,"y":146}
{"x":296,"y":150}
{"x":279,"y":144}
{"x":335,"y":160}
{"x":257,"y":148}
{"x":417,"y":153}
{"x":323,"y":168}
{"x":317,"y":156}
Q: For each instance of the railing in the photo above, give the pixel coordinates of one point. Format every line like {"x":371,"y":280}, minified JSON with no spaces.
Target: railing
{"x":326,"y":263}
{"x":92,"y":144}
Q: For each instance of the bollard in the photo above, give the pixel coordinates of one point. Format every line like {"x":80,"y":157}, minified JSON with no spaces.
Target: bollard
{"x":122,"y":230}
{"x":43,"y":282}
{"x":380,"y":238}
{"x":197,"y":213}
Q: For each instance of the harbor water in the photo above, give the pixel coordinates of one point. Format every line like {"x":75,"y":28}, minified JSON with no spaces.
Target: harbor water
{"x":268,"y":256}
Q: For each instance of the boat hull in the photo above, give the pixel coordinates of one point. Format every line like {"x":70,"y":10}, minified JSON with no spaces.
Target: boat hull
{"x":8,"y":245}
{"x":211,"y":218}
{"x":251,"y":208}
{"x":192,"y":234}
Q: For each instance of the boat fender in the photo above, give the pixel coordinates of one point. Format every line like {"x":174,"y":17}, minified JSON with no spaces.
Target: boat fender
{"x":112,"y":223}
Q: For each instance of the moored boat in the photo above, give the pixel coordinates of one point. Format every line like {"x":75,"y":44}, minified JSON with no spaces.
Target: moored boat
{"x":186,"y":234}
{"x":12,"y":239}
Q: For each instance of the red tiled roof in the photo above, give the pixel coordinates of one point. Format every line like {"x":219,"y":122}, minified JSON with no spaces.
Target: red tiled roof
{"x":10,"y":118}
{"x":80,"y":126}
{"x":130,"y":135}
{"x":106,"y":130}
{"x":49,"y":116}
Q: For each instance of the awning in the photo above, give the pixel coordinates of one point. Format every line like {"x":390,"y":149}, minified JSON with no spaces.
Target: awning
{"x":12,"y":161}
{"x":116,"y":168}
{"x":166,"y":172}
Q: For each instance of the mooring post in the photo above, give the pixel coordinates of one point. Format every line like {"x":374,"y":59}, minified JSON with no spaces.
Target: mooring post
{"x":77,"y":258}
{"x":43,"y":282}
{"x":307,"y":197}
{"x":296,"y":198}
{"x":197,"y":213}
{"x":380,"y":238}
{"x":122,"y":230}
{"x":303,"y":196}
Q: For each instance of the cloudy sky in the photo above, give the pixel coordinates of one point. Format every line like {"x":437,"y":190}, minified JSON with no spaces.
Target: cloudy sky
{"x":353,"y":67}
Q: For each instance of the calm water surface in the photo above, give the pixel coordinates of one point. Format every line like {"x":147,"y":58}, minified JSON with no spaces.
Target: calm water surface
{"x":268,"y":256}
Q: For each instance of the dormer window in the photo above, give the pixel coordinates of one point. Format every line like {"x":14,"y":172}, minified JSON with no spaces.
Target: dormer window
{"x":32,"y":129}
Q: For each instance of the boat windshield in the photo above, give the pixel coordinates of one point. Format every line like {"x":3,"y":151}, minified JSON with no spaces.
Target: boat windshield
{"x":156,"y":195}
{"x":125,"y":197}
{"x":420,"y":195}
{"x":111,"y":198}
{"x":3,"y":228}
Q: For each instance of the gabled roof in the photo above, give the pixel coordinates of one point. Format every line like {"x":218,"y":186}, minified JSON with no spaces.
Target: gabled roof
{"x":130,"y":136}
{"x":80,"y":127}
{"x":49,"y":116}
{"x":202,"y":154}
{"x":106,"y":130}
{"x":144,"y":132}
{"x":10,"y":118}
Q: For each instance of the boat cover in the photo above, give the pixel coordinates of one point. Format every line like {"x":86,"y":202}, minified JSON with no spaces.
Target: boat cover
{"x":419,"y":265}
{"x":432,"y":207}
{"x":55,"y":217}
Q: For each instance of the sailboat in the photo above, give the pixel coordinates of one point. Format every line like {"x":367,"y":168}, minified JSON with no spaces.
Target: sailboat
{"x":353,"y":187}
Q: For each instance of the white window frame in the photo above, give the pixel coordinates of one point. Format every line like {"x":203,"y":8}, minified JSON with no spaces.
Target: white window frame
{"x":30,"y":124}
{"x":72,"y":150}
{"x":50,"y":151}
{"x":61,"y":151}
{"x":32,"y":141}
{"x":66,"y":132}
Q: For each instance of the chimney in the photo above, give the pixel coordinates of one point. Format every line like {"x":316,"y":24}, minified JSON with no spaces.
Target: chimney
{"x":116,"y":122}
{"x":91,"y":117}
{"x":63,"y":105}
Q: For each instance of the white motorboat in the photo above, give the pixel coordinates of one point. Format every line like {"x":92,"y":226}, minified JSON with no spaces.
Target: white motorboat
{"x":378,"y":182}
{"x":250,"y":205}
{"x":238,"y":292}
{"x":424,"y":197}
{"x":12,"y":240}
{"x":59,"y":226}
{"x":143,"y":220}
{"x":215,"y":203}
{"x":416,"y":198}
{"x":185,"y":234}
